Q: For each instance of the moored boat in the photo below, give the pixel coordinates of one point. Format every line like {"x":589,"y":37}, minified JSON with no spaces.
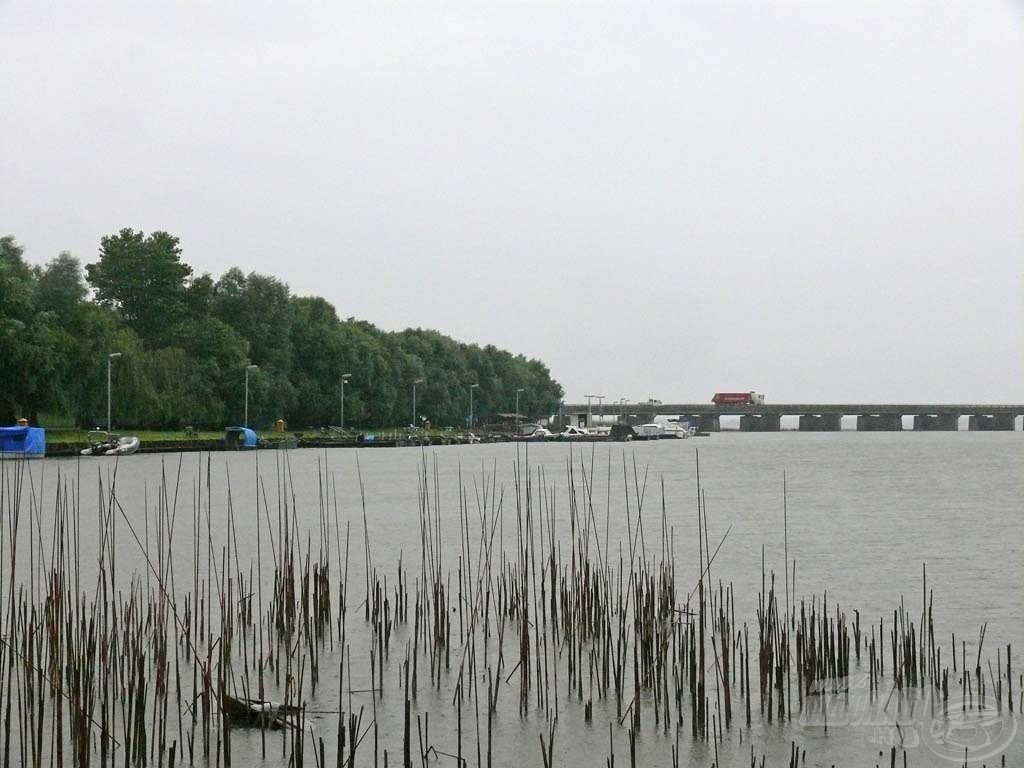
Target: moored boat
{"x":125,"y":445}
{"x":533,"y":432}
{"x":680,"y":430}
{"x":104,"y":444}
{"x":240,"y":439}
{"x":650,"y":431}
{"x":671,"y":430}
{"x":22,"y":442}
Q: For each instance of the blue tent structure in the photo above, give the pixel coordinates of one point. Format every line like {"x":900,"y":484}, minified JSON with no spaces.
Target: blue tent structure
{"x":22,"y":442}
{"x":239,"y":439}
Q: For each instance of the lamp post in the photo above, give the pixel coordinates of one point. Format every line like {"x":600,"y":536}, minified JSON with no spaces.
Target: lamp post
{"x":247,"y":369}
{"x":471,"y":388}
{"x":344,"y":377}
{"x":414,"y":383}
{"x":110,"y":357}
{"x":600,"y":409}
{"x":521,"y":389}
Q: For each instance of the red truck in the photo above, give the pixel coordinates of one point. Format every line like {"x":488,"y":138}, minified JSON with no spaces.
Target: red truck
{"x":738,"y":398}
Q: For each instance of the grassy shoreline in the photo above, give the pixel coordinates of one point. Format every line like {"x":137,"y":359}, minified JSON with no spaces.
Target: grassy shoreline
{"x":64,"y":436}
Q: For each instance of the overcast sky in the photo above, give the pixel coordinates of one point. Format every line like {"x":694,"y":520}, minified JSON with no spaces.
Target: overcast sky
{"x":823,"y":201}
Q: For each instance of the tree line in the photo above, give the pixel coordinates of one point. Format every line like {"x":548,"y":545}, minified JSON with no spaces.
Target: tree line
{"x":185,"y":341}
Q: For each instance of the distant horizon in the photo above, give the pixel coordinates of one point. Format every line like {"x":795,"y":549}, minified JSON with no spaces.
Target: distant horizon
{"x":694,"y":399}
{"x":820,"y":202}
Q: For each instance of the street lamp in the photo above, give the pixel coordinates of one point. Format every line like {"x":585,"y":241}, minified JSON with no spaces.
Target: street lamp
{"x":344,"y":377}
{"x":110,"y":357}
{"x":414,"y":383}
{"x":247,"y":369}
{"x":471,"y":388}
{"x":521,"y":389}
{"x":600,"y":410}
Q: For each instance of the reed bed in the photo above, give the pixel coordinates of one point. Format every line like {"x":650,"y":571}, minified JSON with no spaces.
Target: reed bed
{"x":538,"y":617}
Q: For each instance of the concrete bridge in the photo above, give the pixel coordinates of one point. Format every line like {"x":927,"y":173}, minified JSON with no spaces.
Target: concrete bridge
{"x":871,"y":417}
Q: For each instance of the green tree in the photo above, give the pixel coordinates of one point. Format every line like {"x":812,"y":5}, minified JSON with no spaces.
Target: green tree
{"x":60,"y":287}
{"x":94,"y":332}
{"x":216,"y":353}
{"x":372,"y":393}
{"x":142,"y":277}
{"x":317,"y":359}
{"x":17,"y":282}
{"x":199,"y":295}
{"x":186,"y":341}
{"x":258,"y":308}
{"x":29,"y":340}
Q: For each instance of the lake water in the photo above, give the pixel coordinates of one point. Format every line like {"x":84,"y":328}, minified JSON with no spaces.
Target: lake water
{"x":864,"y":513}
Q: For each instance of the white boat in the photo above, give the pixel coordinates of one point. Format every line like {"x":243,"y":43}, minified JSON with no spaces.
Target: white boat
{"x":104,"y":444}
{"x":650,"y":431}
{"x":572,"y":433}
{"x":533,"y":432}
{"x":126,"y":446}
{"x":672,"y":430}
{"x":678,"y":429}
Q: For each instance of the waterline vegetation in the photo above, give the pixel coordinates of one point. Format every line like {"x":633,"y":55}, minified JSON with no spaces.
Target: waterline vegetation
{"x":535,"y":616}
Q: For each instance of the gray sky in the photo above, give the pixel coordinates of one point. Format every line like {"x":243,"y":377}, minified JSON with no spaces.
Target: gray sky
{"x":817,"y":200}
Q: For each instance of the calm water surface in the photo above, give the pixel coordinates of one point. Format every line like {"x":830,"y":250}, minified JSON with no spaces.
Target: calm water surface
{"x":864,"y":513}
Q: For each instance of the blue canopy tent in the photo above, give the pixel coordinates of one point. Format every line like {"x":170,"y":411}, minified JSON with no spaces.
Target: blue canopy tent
{"x":22,"y":441}
{"x":239,"y":438}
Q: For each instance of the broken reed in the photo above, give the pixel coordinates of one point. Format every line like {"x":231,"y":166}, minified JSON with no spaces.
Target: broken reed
{"x":137,"y":672}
